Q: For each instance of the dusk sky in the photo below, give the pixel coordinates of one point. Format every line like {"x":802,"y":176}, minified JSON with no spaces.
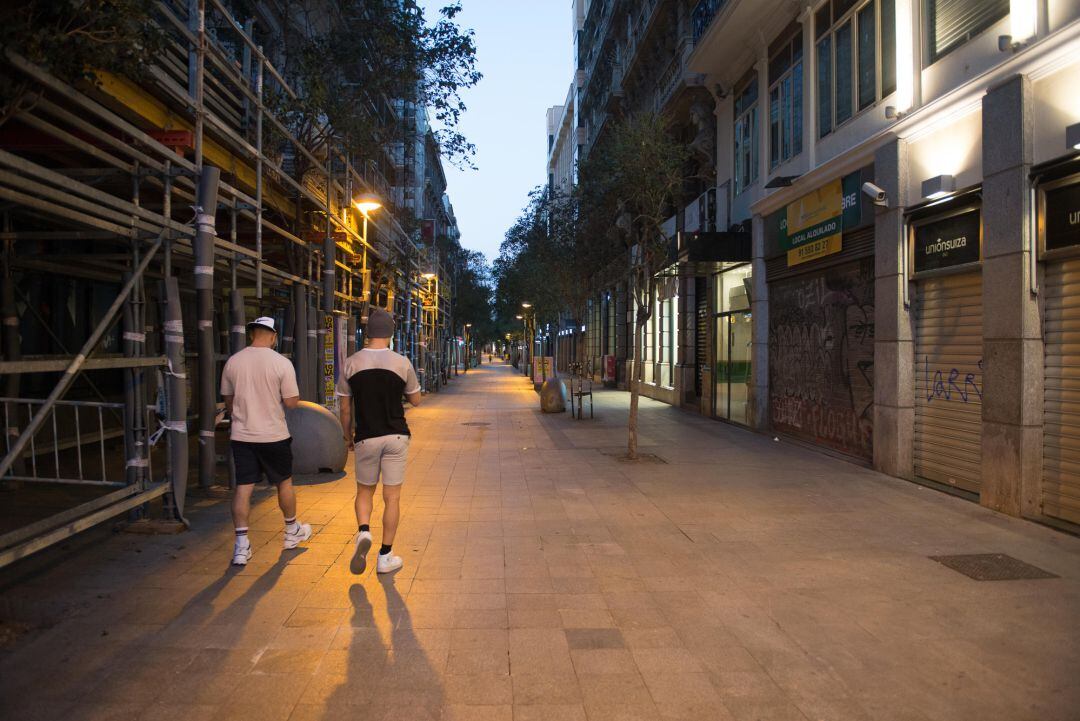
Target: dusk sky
{"x":525,"y":51}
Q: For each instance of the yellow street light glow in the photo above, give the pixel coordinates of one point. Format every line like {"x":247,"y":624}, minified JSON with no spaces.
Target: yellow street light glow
{"x":526,"y":305}
{"x":468,"y":325}
{"x":520,"y":317}
{"x":428,"y":276}
{"x":367,"y":202}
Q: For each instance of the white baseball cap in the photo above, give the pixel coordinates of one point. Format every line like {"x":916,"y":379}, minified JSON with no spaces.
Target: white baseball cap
{"x":263,"y":322}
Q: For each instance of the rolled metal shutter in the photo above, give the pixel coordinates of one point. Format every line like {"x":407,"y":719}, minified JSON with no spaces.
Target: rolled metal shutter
{"x":948,"y":380}
{"x":1061,"y":405}
{"x":701,"y":333}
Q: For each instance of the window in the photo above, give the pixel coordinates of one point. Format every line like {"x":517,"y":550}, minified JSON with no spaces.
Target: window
{"x":785,"y":100}
{"x":954,"y":22}
{"x":746,"y":136}
{"x":856,"y":58}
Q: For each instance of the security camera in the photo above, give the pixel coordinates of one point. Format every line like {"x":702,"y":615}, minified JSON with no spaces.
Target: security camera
{"x":875,"y":194}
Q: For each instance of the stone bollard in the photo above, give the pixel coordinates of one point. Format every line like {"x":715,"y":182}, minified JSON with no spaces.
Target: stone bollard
{"x":317,"y":442}
{"x":553,"y":396}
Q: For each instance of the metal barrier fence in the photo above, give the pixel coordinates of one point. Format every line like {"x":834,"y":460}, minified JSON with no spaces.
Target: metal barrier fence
{"x":74,"y":444}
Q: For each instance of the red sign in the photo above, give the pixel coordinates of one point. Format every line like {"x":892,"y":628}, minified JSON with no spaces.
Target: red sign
{"x":609,"y":367}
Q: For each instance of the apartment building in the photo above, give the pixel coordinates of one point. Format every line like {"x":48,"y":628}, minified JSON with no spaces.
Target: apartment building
{"x":909,"y":173}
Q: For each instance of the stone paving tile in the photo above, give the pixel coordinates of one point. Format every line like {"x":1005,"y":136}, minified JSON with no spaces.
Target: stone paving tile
{"x":742,"y":580}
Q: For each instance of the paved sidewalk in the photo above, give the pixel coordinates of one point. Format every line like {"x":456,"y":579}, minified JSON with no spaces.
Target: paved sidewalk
{"x":546,"y":579}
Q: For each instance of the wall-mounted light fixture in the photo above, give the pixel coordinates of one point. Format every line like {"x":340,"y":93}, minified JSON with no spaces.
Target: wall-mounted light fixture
{"x":938,"y":187}
{"x":1072,"y":136}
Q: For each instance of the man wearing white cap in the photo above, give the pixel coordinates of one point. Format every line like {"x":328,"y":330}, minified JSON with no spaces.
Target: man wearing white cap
{"x":258,"y":384}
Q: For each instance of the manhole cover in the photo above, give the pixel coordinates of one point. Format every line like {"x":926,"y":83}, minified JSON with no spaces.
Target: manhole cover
{"x":992,"y":567}
{"x":476,"y":423}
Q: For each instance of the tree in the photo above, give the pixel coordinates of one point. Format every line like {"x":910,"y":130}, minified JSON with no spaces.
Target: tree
{"x":359,"y":71}
{"x":75,"y":40}
{"x":628,"y":186}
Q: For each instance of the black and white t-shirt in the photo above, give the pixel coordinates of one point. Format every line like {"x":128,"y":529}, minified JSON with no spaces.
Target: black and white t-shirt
{"x":376,"y":380}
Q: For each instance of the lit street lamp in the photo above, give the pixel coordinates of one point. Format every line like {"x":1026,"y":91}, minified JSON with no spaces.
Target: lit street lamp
{"x":367,"y":203}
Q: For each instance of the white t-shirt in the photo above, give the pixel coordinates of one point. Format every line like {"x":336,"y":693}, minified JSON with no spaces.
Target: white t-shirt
{"x":257,"y":379}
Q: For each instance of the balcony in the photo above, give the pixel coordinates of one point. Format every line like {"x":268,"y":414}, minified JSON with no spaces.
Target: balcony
{"x":703,"y":15}
{"x":676,"y":76}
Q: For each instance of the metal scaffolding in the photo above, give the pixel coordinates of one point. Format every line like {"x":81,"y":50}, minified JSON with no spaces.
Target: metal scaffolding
{"x":179,"y":197}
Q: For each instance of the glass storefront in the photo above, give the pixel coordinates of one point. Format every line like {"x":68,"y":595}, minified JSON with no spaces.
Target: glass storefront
{"x":733,"y":343}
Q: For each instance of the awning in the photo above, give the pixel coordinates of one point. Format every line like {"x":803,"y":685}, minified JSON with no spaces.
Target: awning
{"x":706,"y":252}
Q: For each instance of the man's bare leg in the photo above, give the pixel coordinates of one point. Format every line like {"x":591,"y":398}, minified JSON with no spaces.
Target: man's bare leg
{"x":391,"y":513}
{"x":241,"y":508}
{"x":365,"y":499}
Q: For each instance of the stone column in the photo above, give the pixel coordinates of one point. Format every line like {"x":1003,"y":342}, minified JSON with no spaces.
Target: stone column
{"x":1012,"y":339}
{"x":894,"y":347}
{"x":758,"y":406}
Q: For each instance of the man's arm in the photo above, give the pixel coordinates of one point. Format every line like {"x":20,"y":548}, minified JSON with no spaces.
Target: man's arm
{"x":345,"y":416}
{"x":290,"y":392}
{"x":412,"y":386}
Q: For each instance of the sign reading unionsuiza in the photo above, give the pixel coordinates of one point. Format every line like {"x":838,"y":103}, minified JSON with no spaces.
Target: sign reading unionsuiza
{"x":1063,"y":217}
{"x":947,"y":242}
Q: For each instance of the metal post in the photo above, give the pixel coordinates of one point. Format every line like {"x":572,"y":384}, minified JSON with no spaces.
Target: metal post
{"x":300,"y":342}
{"x":200,"y":73}
{"x":206,"y":209}
{"x":237,"y":328}
{"x":289,"y":328}
{"x":176,"y":394}
{"x":12,"y":341}
{"x":314,"y":366}
{"x":259,"y":178}
{"x":131,"y":411}
{"x":329,"y":251}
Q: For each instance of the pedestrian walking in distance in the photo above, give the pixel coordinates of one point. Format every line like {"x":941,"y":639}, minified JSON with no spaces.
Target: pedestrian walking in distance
{"x":376,"y":378}
{"x":258,"y":384}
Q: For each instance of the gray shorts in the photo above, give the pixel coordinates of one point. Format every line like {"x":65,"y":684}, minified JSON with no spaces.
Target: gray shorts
{"x":382,"y":455}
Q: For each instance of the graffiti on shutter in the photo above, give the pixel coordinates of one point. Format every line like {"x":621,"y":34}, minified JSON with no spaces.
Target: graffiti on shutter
{"x":821,"y":356}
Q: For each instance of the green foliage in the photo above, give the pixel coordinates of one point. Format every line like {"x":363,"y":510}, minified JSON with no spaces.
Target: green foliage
{"x":354,"y":74}
{"x":472,"y":292}
{"x":557,"y":251}
{"x":631,"y":183}
{"x":73,"y":40}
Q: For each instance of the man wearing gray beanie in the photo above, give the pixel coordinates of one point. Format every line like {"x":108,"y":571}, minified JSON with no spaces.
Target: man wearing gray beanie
{"x":376,"y":378}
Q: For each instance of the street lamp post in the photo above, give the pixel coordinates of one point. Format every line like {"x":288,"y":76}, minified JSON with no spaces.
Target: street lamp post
{"x":366,"y":204}
{"x":468,"y":351}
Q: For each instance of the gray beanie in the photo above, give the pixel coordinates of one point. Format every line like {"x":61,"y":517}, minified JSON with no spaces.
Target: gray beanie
{"x":380,"y":324}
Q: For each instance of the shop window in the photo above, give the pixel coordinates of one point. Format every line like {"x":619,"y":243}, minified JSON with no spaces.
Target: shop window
{"x":855,"y":46}
{"x":746,"y":135}
{"x":951,"y":23}
{"x":785,"y":99}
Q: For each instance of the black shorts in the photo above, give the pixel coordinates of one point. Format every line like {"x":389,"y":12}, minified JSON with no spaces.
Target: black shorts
{"x":254,"y":459}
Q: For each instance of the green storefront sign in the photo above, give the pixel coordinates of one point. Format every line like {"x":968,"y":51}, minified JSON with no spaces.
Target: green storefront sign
{"x":851,"y":214}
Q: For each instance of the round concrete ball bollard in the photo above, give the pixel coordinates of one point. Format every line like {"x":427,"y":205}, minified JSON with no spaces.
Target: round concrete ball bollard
{"x":318,"y":444}
{"x":553,"y":396}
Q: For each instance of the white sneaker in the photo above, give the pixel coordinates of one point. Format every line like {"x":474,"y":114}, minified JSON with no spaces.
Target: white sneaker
{"x":388,"y":563}
{"x":359,"y":559}
{"x":303,"y":532}
{"x":241,"y":554}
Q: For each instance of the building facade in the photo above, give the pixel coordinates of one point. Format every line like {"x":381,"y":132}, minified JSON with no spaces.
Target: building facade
{"x":903,"y":174}
{"x":905,"y":170}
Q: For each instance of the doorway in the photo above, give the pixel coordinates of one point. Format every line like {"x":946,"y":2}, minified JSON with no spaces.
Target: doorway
{"x":733,"y":344}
